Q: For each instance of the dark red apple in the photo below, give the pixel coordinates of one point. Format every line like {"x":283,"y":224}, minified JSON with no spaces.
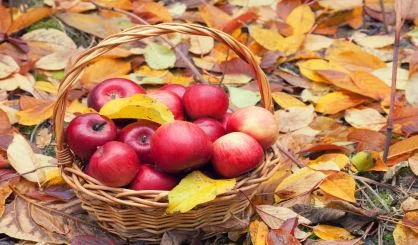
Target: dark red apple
{"x":257,"y":122}
{"x":88,"y":131}
{"x":177,"y":89}
{"x":138,"y":135}
{"x":111,"y":89}
{"x":204,"y":100}
{"x":148,"y":178}
{"x":235,"y":154}
{"x":114,"y":164}
{"x":211,"y":127}
{"x":171,"y":100}
{"x":224,"y":119}
{"x":180,"y":146}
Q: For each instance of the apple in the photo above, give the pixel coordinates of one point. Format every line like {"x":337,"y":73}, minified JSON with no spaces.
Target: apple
{"x":257,"y":122}
{"x":138,"y":135}
{"x":224,"y":119}
{"x":148,"y":178}
{"x":177,"y":89}
{"x":111,"y":89}
{"x":204,"y":100}
{"x":179,"y":146}
{"x":171,"y":100}
{"x":235,"y":154}
{"x":88,"y":131}
{"x":114,"y":164}
{"x":211,"y":127}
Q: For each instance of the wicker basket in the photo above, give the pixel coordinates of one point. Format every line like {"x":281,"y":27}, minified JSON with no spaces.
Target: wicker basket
{"x":139,"y":215}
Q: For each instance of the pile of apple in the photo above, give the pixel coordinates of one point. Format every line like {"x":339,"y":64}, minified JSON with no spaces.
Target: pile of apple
{"x":143,"y":155}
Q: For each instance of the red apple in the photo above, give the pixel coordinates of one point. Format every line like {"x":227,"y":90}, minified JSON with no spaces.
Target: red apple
{"x":257,"y":122}
{"x":148,"y":178}
{"x":114,"y":164}
{"x":171,"y":100}
{"x":88,"y":131}
{"x":211,"y":127}
{"x":111,"y":89}
{"x":224,"y":119}
{"x":177,"y":89}
{"x":138,"y":135}
{"x":205,"y":100}
{"x":235,"y":154}
{"x":180,"y":146}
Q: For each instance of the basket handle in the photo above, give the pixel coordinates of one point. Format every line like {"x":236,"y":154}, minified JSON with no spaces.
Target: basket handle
{"x":137,"y":33}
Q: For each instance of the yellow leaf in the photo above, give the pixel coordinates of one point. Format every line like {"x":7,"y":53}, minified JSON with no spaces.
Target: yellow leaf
{"x":5,"y":192}
{"x":302,"y":181}
{"x":308,"y":68}
{"x":332,"y":233}
{"x":30,"y":17}
{"x":338,"y":101}
{"x":23,"y":159}
{"x":270,"y":40}
{"x":94,"y":73}
{"x":404,"y":146}
{"x":301,"y":19}
{"x":292,"y":44}
{"x":120,"y":4}
{"x":339,"y":159}
{"x":46,"y":86}
{"x":36,"y":114}
{"x":340,"y":185}
{"x":258,"y":232}
{"x":352,"y":57}
{"x":137,"y":106}
{"x":375,"y":87}
{"x":315,"y":42}
{"x":404,"y":235}
{"x":285,"y":100}
{"x":77,"y":107}
{"x":194,"y":189}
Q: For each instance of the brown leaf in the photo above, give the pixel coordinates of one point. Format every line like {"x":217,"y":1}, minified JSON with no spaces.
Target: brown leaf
{"x":152,"y":12}
{"x":114,"y":67}
{"x":284,"y":7}
{"x":237,"y":66}
{"x":372,"y":84}
{"x":293,"y":118}
{"x":404,"y":146}
{"x":295,"y":80}
{"x":258,"y":232}
{"x":214,"y":17}
{"x":330,"y":24}
{"x":92,"y":240}
{"x":238,"y":21}
{"x":368,"y":139}
{"x":5,"y":192}
{"x":406,"y":118}
{"x":275,"y":216}
{"x":282,"y":237}
{"x":5,"y":18}
{"x":4,"y":122}
{"x":30,"y":17}
{"x":323,"y":147}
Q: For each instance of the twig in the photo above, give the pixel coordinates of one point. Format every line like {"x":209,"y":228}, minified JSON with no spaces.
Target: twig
{"x":290,"y":156}
{"x":382,"y":8}
{"x":370,"y":181}
{"x":182,"y":56}
{"x":394,"y":77}
{"x":28,"y":172}
{"x":367,"y":196}
{"x":384,"y":205}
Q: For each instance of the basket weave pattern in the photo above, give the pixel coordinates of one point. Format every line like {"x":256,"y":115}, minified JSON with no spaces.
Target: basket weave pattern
{"x":141,"y":214}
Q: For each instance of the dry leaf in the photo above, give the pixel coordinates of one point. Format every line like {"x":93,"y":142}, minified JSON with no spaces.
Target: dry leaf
{"x":153,"y":12}
{"x":58,"y":40}
{"x":301,"y":19}
{"x":159,"y":56}
{"x":339,"y":159}
{"x":18,"y":81}
{"x":411,"y":90}
{"x":36,"y":114}
{"x":258,"y":232}
{"x":340,"y":185}
{"x":375,"y":41}
{"x":213,"y":16}
{"x":369,"y":140}
{"x":367,"y":118}
{"x":275,"y":216}
{"x":413,"y":163}
{"x":315,"y":42}
{"x":338,"y":101}
{"x":332,"y":233}
{"x":90,"y":23}
{"x":403,"y":146}
{"x":268,"y":39}
{"x":285,"y":100}
{"x":113,"y":67}
{"x":340,"y":5}
{"x":404,"y":235}
{"x":194,"y":189}
{"x":8,"y":66}
{"x":201,"y":44}
{"x":294,"y":118}
{"x":28,"y":18}
{"x":370,"y":83}
{"x":5,"y":192}
{"x":308,"y":68}
{"x":46,"y":87}
{"x":410,"y":204}
{"x":329,"y":25}
{"x":43,"y":138}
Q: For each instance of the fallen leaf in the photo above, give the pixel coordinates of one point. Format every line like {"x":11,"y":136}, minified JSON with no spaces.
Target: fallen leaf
{"x":153,"y":12}
{"x":55,"y":61}
{"x":374,"y":41}
{"x":340,"y":5}
{"x":339,"y":159}
{"x":242,"y":97}
{"x":340,"y":185}
{"x":268,"y":39}
{"x":294,"y":80}
{"x":194,"y":189}
{"x":315,"y":42}
{"x":410,"y":204}
{"x":374,"y":86}
{"x":8,"y":66}
{"x":258,"y":232}
{"x":323,"y":147}
{"x":138,"y":106}
{"x":413,"y":163}
{"x":23,"y":159}
{"x":92,"y":239}
{"x":404,"y":235}
{"x":335,"y":102}
{"x":37,"y":114}
{"x":43,"y":138}
{"x":301,"y":19}
{"x":213,"y":16}
{"x":275,"y":216}
{"x":93,"y":73}
{"x":369,"y":139}
{"x":308,"y":68}
{"x":201,"y":44}
{"x":285,"y":100}
{"x":46,"y":87}
{"x":294,"y":118}
{"x":77,"y":107}
{"x":90,"y":23}
{"x":5,"y":192}
{"x":379,"y":164}
{"x":385,"y":74}
{"x":330,"y":24}
{"x":282,"y":236}
{"x":366,"y":118}
{"x":159,"y":56}
{"x":238,"y":21}
{"x":405,"y":118}
{"x":332,"y":233}
{"x":58,"y":40}
{"x":17,"y":81}
{"x":284,"y":7}
{"x":28,"y":18}
{"x":293,"y":185}
{"x":251,"y":3}
{"x":120,"y":4}
{"x":403,"y":146}
{"x":411,"y":90}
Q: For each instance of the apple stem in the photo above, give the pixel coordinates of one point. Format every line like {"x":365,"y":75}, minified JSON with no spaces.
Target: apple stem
{"x":99,"y":126}
{"x":143,"y":139}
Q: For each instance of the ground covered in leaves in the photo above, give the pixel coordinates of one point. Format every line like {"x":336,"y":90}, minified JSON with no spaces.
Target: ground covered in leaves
{"x":329,"y":64}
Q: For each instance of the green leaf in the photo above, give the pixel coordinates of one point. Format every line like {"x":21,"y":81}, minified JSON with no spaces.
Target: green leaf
{"x":243,"y":98}
{"x":159,"y":56}
{"x":194,"y":189}
{"x":363,"y":161}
